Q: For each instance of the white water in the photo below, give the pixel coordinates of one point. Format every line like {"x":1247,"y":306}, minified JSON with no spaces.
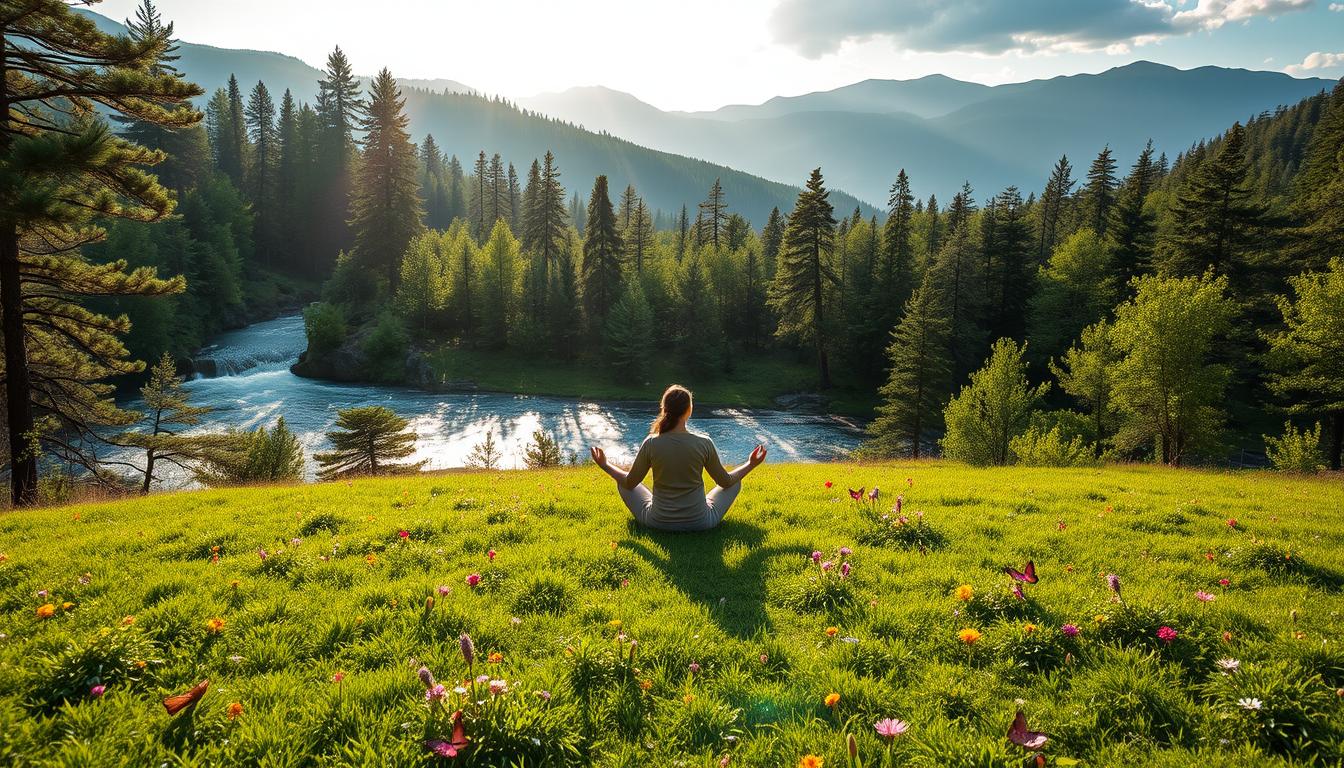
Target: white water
{"x":255,"y":388}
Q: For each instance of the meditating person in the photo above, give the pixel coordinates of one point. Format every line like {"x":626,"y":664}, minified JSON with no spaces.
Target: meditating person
{"x":677,"y":457}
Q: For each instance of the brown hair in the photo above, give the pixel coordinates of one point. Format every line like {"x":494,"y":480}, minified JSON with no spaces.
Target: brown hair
{"x":676,"y":402}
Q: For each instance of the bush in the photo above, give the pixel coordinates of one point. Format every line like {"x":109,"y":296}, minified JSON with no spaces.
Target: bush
{"x":994,"y":408}
{"x":273,"y":455}
{"x":1278,"y":707}
{"x":385,"y":349}
{"x":882,"y":529}
{"x":325,"y":325}
{"x":1038,"y":448}
{"x":1296,"y":451}
{"x":543,"y":451}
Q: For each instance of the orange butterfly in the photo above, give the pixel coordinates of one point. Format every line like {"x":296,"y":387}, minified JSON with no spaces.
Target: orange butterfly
{"x":175,"y":704}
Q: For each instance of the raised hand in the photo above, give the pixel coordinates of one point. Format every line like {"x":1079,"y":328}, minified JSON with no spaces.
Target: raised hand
{"x":757,"y":456}
{"x":599,"y":456}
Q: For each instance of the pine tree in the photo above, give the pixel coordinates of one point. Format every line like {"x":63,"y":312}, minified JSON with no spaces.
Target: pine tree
{"x":799,"y":293}
{"x":457,"y":186}
{"x":434,"y":184}
{"x":499,"y":269}
{"x":1099,"y":193}
{"x":934,"y":238}
{"x":699,"y":338}
{"x":602,"y":248}
{"x":712,"y":215}
{"x":913,"y":396}
{"x":1318,"y":193}
{"x":1132,"y":230}
{"x":368,"y":441}
{"x":265,"y":456}
{"x":543,"y":452}
{"x":514,"y":216}
{"x":169,"y":410}
{"x":1053,"y":200}
{"x":958,"y":277}
{"x":289,"y":170}
{"x":629,"y":332}
{"x":485,"y":454}
{"x":59,"y":175}
{"x":479,"y":201}
{"x":386,"y":210}
{"x":898,"y":259}
{"x":638,"y":238}
{"x":772,"y":237}
{"x":260,"y":115}
{"x":683,"y":233}
{"x":499,"y":202}
{"x":1010,"y":271}
{"x":340,"y":111}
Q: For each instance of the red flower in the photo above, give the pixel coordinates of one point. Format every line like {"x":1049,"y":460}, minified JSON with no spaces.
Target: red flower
{"x":827,"y":483}
{"x":404,"y":534}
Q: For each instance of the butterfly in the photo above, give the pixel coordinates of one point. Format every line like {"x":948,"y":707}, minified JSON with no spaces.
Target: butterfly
{"x":1027,"y":574}
{"x":856,"y":495}
{"x":457,"y":743}
{"x":175,"y":704}
{"x":1019,"y":735}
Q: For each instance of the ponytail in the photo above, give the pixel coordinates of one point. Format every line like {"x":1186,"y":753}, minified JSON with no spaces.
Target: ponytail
{"x":675,"y":403}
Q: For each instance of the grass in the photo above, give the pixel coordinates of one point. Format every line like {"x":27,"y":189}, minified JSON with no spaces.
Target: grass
{"x":754,"y":381}
{"x":734,"y":657}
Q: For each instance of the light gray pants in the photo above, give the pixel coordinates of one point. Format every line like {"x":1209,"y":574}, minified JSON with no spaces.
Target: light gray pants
{"x":639,"y":500}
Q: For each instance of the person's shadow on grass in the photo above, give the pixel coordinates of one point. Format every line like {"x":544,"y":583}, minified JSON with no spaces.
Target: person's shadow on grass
{"x":697,"y":563}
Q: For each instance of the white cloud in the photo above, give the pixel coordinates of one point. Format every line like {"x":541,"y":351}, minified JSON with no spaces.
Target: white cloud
{"x":1317,"y":60}
{"x":1212,"y":14}
{"x":1337,"y":7}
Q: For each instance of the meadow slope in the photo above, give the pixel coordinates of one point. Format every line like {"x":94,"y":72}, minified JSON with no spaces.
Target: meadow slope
{"x":311,"y":608}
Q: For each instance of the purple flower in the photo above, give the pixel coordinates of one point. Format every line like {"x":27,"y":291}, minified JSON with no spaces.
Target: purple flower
{"x":846,"y":551}
{"x":426,"y":677}
{"x":828,"y":565}
{"x":436,"y":692}
{"x":544,"y":695}
{"x":262,"y":554}
{"x":695,"y":668}
{"x":97,"y":691}
{"x":844,"y":569}
{"x":1113,"y":581}
{"x":468,"y":648}
{"x":1070,"y":630}
{"x":899,"y":501}
{"x":816,"y":556}
{"x":873,"y":494}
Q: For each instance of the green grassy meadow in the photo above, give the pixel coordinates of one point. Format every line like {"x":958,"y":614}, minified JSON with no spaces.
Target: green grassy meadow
{"x":614,"y":646}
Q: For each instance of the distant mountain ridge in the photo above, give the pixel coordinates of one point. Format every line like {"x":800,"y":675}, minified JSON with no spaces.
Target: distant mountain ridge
{"x":944,"y":131}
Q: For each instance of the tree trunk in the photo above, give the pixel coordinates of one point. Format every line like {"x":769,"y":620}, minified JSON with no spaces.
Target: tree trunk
{"x":19,"y":406}
{"x":149,"y":471}
{"x":1336,"y":439}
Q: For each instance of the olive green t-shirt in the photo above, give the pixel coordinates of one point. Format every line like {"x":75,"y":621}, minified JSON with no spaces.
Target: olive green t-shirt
{"x":678,"y":460}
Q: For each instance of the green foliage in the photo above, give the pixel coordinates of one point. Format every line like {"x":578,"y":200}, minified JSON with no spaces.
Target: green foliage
{"x":804,"y":269}
{"x":993,"y":409}
{"x":385,"y":348}
{"x":325,"y":325}
{"x":543,"y":451}
{"x":369,"y":441}
{"x":264,"y":456}
{"x":1296,"y":450}
{"x":629,"y":334}
{"x":918,"y":380}
{"x":1040,"y":448}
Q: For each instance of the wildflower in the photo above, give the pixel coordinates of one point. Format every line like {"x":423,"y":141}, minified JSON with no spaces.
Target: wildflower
{"x":890,"y":729}
{"x":1100,"y":618}
{"x":473,"y":579}
{"x":965,"y":592}
{"x":295,"y":542}
{"x":425,"y":676}
{"x":1231,"y":522}
{"x":1113,"y":582}
{"x":46,"y":611}
{"x":491,"y":555}
{"x":498,"y":687}
{"x":811,"y":761}
{"x":42,"y":593}
{"x":1069,"y":568}
{"x":97,"y":691}
{"x":515,"y":621}
{"x":370,"y":558}
{"x":844,"y":570}
{"x":832,"y":699}
{"x":968,"y":636}
{"x":614,"y":623}
{"x":1069,"y":630}
{"x":1061,"y":525}
{"x":1203,"y":597}
{"x":543,"y":695}
{"x":645,"y":685}
{"x":235,"y":709}
{"x":1208,"y":556}
{"x":873,"y":494}
{"x":1223,"y":582}
{"x":234,"y":584}
{"x":1250,"y":704}
{"x":436,"y":692}
{"x":444,"y":589}
{"x":832,"y":631}
{"x":1227,"y":637}
{"x":827,"y":483}
{"x":404,"y":535}
{"x":846,"y":551}
{"x":688,"y":698}
{"x":1299,"y":635}
{"x":1028,"y":628}
{"x":764,"y":658}
{"x":214,"y":626}
{"x":828,"y":565}
{"x":215,"y":549}
{"x":897,"y":506}
{"x":482,"y":679}
{"x":816,"y":556}
{"x":262,"y":554}
{"x":1166,"y":634}
{"x":83,"y":579}
{"x":338,"y":678}
{"x":1227,"y":666}
{"x":495,"y":658}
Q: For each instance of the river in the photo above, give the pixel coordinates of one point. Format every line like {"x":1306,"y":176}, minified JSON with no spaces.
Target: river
{"x":254,"y":387}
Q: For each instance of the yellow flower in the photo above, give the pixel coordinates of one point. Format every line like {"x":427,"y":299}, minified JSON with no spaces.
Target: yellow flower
{"x":235,"y":709}
{"x":965,"y":593}
{"x":234,"y":584}
{"x":1028,"y":628}
{"x":141,"y":664}
{"x":832,"y":699}
{"x":496,"y":658}
{"x":614,"y":623}
{"x":832,"y":631}
{"x":645,"y":684}
{"x":67,"y":605}
{"x":46,"y":611}
{"x":370,"y":558}
{"x":688,"y":698}
{"x":1099,"y":618}
{"x":214,"y":626}
{"x":968,"y":636}
{"x":811,"y":761}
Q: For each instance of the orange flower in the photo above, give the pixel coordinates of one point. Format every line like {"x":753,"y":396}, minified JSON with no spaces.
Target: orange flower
{"x":370,"y":558}
{"x":832,"y":631}
{"x":1028,"y":628}
{"x":832,"y":699}
{"x":214,"y":626}
{"x":234,"y":584}
{"x":495,"y":658}
{"x":968,"y":636}
{"x":46,"y":611}
{"x":645,"y":684}
{"x":235,"y":709}
{"x":811,"y":761}
{"x":688,"y":698}
{"x":67,"y":605}
{"x":965,"y":592}
{"x":127,"y":621}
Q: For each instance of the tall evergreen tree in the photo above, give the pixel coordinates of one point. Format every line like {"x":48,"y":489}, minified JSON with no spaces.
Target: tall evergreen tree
{"x":629,"y":328}
{"x":896,"y":276}
{"x":772,"y":237}
{"x":386,"y":210}
{"x":799,"y":293}
{"x":1131,"y":231}
{"x":56,"y":177}
{"x":959,"y":279}
{"x":713,"y":213}
{"x":1052,"y":207}
{"x":602,"y":248}
{"x":290,"y":168}
{"x":1099,"y":193}
{"x":261,"y":186}
{"x":913,"y":395}
{"x":340,"y":111}
{"x":457,"y":190}
{"x":683,"y":233}
{"x":479,"y":200}
{"x":934,"y":239}
{"x":1010,"y":272}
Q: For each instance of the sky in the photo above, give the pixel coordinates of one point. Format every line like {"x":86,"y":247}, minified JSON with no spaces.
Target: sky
{"x":703,"y":54}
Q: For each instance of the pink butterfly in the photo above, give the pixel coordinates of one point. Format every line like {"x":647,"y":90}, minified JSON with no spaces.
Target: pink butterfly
{"x":1019,"y":735}
{"x":458,"y":742}
{"x":856,"y":495}
{"x":1027,"y":574}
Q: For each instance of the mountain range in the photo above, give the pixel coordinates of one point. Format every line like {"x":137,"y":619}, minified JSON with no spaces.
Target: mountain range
{"x":943,"y":131}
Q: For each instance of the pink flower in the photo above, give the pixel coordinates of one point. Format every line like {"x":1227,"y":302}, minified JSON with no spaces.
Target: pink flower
{"x":436,"y":693}
{"x":902,"y":519}
{"x":695,"y":668}
{"x":1203,"y":597}
{"x":426,"y":677}
{"x":444,"y":589}
{"x":338,"y":678}
{"x":1231,"y":522}
{"x":473,"y":579}
{"x":890,"y":729}
{"x":498,"y":687}
{"x":828,"y":565}
{"x":468,"y":648}
{"x":1166,"y":634}
{"x":262,"y":554}
{"x":97,"y":691}
{"x":491,"y":555}
{"x":1113,"y":581}
{"x":404,"y":534}
{"x":1223,"y":582}
{"x":873,"y":494}
{"x":1070,"y":630}
{"x":764,"y":658}
{"x":846,"y":551}
{"x":844,"y":569}
{"x":816,"y":556}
